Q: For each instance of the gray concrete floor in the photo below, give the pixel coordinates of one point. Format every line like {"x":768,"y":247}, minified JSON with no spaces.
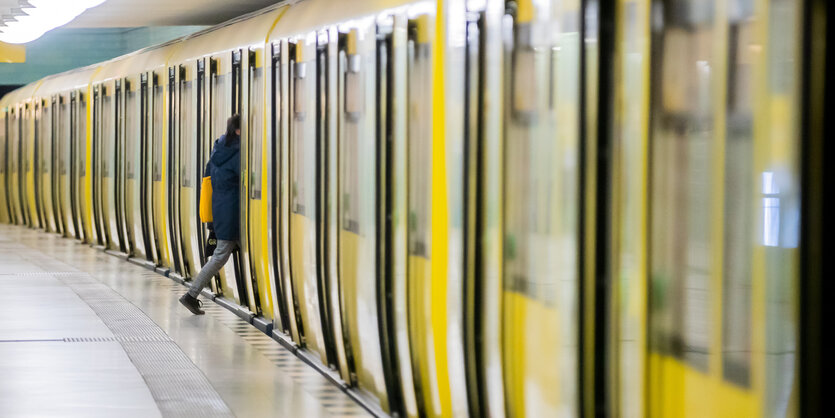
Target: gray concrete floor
{"x":83,"y":333}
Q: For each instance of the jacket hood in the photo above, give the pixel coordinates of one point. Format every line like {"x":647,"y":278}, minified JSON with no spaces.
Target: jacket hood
{"x":224,"y":149}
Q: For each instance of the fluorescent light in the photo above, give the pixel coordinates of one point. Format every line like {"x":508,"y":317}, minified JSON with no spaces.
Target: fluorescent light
{"x":41,"y":16}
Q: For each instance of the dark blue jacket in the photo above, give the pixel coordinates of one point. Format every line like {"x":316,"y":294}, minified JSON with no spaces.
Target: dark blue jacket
{"x":225,"y":169}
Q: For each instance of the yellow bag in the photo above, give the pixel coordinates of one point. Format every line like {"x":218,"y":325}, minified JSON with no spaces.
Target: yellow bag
{"x":206,"y":200}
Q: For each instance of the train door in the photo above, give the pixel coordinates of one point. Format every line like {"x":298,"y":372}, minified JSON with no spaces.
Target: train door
{"x":25,"y":165}
{"x":77,"y":164}
{"x":220,"y":105}
{"x":12,"y":170}
{"x":65,"y":146}
{"x":133,"y":154}
{"x":44,"y":176}
{"x":120,"y":161}
{"x":240,"y":106}
{"x":16,"y":157}
{"x":29,"y":139}
{"x":327,"y":114}
{"x":482,"y":192}
{"x":289,"y":309}
{"x":189,"y":178}
{"x":256,"y":219}
{"x":5,"y":206}
{"x":361,"y":117}
{"x":304,"y":199}
{"x":146,"y":169}
{"x":172,"y":168}
{"x":540,"y":279}
{"x":37,"y":162}
{"x":55,"y":163}
{"x":393,"y":186}
{"x":159,"y":188}
{"x":19,"y":166}
{"x":109,"y":164}
{"x":34,"y":118}
{"x":99,"y":146}
{"x":202,"y":148}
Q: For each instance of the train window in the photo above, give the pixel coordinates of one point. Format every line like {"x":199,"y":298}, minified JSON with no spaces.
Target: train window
{"x":46,"y":139}
{"x":220,"y":105}
{"x":96,"y":139}
{"x":682,"y":149}
{"x":419,"y":135}
{"x":541,"y":200}
{"x":11,"y":144}
{"x":256,"y":127}
{"x":81,"y":131}
{"x":106,"y":133}
{"x":132,"y":144}
{"x":23,"y":121}
{"x":237,"y":83}
{"x":738,"y":224}
{"x":353,"y":131}
{"x":63,"y":133}
{"x":158,"y":115}
{"x":187,"y":131}
{"x":303,"y":126}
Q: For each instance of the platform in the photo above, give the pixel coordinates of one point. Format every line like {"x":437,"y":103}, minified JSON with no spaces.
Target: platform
{"x":83,"y":333}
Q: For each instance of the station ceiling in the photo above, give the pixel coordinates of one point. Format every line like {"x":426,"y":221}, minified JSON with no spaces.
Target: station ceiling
{"x":139,"y":13}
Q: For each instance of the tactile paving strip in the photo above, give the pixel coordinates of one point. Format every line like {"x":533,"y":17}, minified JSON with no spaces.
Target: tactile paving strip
{"x":330,"y":396}
{"x":178,"y":386}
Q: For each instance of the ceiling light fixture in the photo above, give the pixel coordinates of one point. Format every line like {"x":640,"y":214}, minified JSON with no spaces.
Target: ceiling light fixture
{"x":35,"y":17}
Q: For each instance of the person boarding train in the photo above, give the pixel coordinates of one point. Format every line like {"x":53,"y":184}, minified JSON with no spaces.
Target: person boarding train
{"x":224,"y":168}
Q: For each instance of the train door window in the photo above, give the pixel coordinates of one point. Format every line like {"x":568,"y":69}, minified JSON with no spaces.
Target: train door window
{"x":63,"y":134}
{"x":158,"y":115}
{"x":683,"y":147}
{"x":354,"y":135}
{"x":237,"y":83}
{"x":541,"y":200}
{"x":187,"y":132}
{"x":46,"y":138}
{"x":419,"y":137}
{"x":132,"y":152}
{"x":81,"y":131}
{"x":256,"y":124}
{"x":220,"y":101}
{"x":106,"y":133}
{"x":303,"y":108}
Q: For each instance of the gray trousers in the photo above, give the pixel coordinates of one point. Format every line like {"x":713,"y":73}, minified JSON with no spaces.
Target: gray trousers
{"x":216,"y":261}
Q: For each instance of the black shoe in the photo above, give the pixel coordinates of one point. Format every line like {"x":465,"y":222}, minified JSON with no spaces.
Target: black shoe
{"x":192,"y":303}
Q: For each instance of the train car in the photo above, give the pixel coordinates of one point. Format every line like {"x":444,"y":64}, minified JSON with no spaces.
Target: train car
{"x":464,"y":208}
{"x":63,"y":132}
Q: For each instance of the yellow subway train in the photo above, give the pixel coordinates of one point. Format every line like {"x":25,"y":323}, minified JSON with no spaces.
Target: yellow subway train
{"x":526,"y":208}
